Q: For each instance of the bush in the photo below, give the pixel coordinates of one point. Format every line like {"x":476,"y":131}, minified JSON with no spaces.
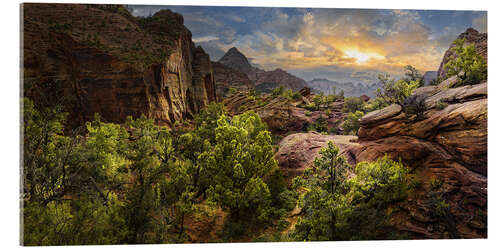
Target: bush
{"x":374,"y":104}
{"x":396,"y":91}
{"x":469,"y":62}
{"x":320,"y":125}
{"x":352,"y":104}
{"x":441,"y":105}
{"x":340,"y":208}
{"x":415,"y":105}
{"x":436,"y":81}
{"x":351,"y":123}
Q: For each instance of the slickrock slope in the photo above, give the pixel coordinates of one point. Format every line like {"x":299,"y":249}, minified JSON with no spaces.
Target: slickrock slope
{"x":100,"y":59}
{"x":238,"y":61}
{"x":283,"y":115}
{"x":471,"y":36}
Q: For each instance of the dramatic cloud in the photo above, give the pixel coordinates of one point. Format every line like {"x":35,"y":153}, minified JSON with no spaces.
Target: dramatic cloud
{"x":339,"y":44}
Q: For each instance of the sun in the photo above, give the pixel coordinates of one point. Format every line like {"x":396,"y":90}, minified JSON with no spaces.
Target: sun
{"x":362,"y":57}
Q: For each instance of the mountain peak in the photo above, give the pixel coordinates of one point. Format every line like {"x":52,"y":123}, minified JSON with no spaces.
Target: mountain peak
{"x":236,"y":60}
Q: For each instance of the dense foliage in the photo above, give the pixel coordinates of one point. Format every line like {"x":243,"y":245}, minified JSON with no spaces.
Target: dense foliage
{"x":351,"y":123}
{"x":337,"y":207}
{"x":470,"y":67}
{"x":138,"y":182}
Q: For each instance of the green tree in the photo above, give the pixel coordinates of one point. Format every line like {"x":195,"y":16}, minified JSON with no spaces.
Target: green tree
{"x":468,"y":61}
{"x":412,"y":75}
{"x":336,"y":207}
{"x":352,"y":104}
{"x":320,"y":125}
{"x":351,"y":123}
{"x":241,"y":157}
{"x":323,"y":203}
{"x":396,"y":91}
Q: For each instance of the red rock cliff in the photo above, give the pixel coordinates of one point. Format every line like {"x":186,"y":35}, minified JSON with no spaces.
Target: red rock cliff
{"x":100,"y":59}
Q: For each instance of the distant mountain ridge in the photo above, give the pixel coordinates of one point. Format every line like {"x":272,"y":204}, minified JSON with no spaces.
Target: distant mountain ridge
{"x":350,"y":89}
{"x":238,"y":61}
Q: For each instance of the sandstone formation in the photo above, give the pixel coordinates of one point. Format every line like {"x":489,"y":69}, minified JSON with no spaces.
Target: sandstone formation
{"x":100,"y":59}
{"x":227,"y":78}
{"x":297,"y":151}
{"x":446,"y":152}
{"x":283,"y":115}
{"x":471,"y":36}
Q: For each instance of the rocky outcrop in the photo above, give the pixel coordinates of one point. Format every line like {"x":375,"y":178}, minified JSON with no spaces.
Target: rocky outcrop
{"x":471,"y":36}
{"x":446,"y":153}
{"x":283,"y":115}
{"x":448,"y":146}
{"x":297,"y":151}
{"x":459,"y":127}
{"x":100,"y":59}
{"x":238,"y":61}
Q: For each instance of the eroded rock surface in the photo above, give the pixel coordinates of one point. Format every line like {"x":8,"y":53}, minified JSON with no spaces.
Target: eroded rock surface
{"x":446,"y":152}
{"x":100,"y":59}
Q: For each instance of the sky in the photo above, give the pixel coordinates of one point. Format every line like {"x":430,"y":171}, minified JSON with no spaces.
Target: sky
{"x":345,"y":45}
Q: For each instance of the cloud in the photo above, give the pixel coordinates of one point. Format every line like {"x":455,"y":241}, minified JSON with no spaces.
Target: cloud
{"x":339,"y":44}
{"x":204,"y":39}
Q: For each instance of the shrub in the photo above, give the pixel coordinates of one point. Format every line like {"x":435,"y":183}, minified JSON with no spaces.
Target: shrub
{"x":468,"y":61}
{"x":441,"y":105}
{"x":320,"y":125}
{"x":436,"y":81}
{"x":396,"y":91}
{"x":340,"y":208}
{"x":351,"y":122}
{"x":415,"y":105}
{"x":352,"y":104}
{"x":374,"y":104}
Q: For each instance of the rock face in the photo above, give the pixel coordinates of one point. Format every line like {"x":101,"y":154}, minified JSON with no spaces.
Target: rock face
{"x":446,"y":152}
{"x":282,"y":115}
{"x":100,"y":59}
{"x":236,"y":60}
{"x":297,"y":151}
{"x":471,"y":36}
{"x":227,"y":78}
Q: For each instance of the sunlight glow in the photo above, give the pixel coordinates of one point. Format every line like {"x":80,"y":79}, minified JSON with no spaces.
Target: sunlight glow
{"x":362,"y":57}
